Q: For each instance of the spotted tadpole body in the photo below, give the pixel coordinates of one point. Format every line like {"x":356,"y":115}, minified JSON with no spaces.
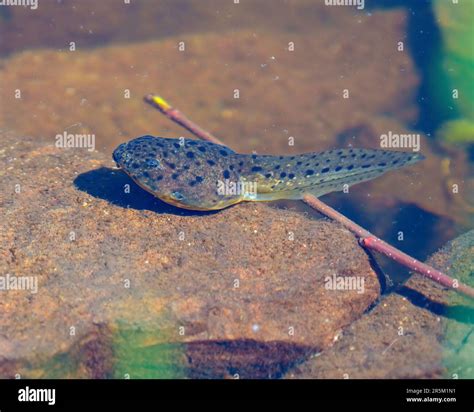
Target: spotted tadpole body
{"x":200,"y":175}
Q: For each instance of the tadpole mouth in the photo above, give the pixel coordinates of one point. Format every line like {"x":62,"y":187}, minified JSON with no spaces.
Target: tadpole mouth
{"x":117,"y":155}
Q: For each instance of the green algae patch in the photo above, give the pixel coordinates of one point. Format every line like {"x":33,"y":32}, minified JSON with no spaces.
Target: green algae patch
{"x":142,"y":354}
{"x":457,"y":131}
{"x":455,"y":21}
{"x":120,"y":351}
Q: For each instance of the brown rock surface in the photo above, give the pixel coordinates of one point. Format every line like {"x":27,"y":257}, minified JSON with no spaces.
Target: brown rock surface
{"x":421,"y":331}
{"x":68,"y":222}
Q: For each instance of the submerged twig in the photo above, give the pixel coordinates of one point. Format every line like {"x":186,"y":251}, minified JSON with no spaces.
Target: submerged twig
{"x":372,"y":242}
{"x":366,"y":239}
{"x":178,"y":117}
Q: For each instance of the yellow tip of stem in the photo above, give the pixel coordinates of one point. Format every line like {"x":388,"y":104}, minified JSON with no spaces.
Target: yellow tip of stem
{"x":160,"y":102}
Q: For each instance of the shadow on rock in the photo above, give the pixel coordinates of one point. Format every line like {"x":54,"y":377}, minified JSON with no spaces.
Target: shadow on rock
{"x":461,"y":313}
{"x":247,"y":358}
{"x":108,"y":184}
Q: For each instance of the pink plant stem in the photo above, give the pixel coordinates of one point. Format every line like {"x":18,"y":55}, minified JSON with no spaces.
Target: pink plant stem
{"x":176,"y":116}
{"x":366,"y":239}
{"x":370,"y":241}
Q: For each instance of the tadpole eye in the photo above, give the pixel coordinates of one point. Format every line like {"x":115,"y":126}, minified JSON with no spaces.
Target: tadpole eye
{"x":177,"y":195}
{"x":153,"y":164}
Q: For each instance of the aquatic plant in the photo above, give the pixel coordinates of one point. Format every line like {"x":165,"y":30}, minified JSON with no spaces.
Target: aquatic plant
{"x":455,"y":22}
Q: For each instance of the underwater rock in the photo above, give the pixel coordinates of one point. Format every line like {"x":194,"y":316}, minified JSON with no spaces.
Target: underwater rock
{"x":458,"y":342}
{"x":420,"y":331}
{"x":128,"y":286}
